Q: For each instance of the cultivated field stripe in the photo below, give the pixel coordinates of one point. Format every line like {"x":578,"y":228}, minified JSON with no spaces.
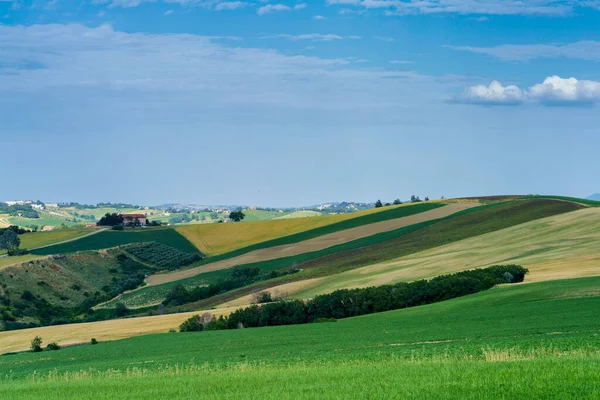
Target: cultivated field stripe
{"x":558,"y":247}
{"x":316,"y":244}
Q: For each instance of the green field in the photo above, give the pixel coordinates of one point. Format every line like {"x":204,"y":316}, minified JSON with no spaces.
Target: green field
{"x":537,"y":340}
{"x":112,"y":238}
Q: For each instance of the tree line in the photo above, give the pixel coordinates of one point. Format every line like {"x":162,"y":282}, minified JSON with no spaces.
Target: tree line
{"x":413,"y":199}
{"x":354,"y":302}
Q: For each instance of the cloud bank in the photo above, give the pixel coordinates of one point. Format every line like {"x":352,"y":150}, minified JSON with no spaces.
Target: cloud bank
{"x":553,"y":91}
{"x":490,"y":7}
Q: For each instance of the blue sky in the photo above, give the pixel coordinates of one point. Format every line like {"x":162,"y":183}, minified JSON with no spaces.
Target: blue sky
{"x":297,"y":102}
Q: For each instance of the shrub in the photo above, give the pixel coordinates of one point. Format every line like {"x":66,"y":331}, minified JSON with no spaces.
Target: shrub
{"x":262,"y":297}
{"x":121,"y":310}
{"x":36,"y":344}
{"x":192,"y":324}
{"x":53,"y":346}
{"x":118,"y":228}
{"x":93,"y":341}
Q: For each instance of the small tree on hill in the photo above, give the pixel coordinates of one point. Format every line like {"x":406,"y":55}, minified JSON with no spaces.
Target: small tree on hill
{"x":397,"y":201}
{"x":10,"y":242}
{"x":36,"y":344}
{"x":237,"y":216}
{"x":378,"y":204}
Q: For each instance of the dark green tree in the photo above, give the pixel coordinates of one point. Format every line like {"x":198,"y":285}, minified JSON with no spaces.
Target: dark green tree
{"x":237,"y":216}
{"x":397,"y":201}
{"x":378,"y":204}
{"x":10,"y":242}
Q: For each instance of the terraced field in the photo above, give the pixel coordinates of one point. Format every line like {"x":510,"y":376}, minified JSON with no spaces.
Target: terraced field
{"x":536,"y":340}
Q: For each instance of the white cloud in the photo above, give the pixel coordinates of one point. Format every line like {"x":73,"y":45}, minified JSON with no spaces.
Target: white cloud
{"x":559,"y":90}
{"x":317,"y":37}
{"x":489,"y":7}
{"x":495,"y":93}
{"x":300,"y":6}
{"x":168,"y":12}
{"x":584,"y":50}
{"x":318,"y":17}
{"x":384,"y":38}
{"x":118,"y":69}
{"x":553,"y":91}
{"x":230,"y":5}
{"x":269,"y":8}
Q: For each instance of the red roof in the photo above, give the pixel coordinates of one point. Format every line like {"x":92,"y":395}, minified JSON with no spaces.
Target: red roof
{"x":134,"y":216}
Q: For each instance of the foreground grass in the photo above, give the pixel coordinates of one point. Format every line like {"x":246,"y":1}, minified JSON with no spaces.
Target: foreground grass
{"x":561,"y":315}
{"x":111,"y":238}
{"x":531,"y":379}
{"x":524,"y":341}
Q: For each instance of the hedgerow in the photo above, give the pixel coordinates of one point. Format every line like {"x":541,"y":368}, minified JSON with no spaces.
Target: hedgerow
{"x":354,"y":302}
{"x":162,"y":255}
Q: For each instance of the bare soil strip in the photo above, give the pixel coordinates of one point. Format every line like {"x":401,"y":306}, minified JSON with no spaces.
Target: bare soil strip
{"x":316,"y":244}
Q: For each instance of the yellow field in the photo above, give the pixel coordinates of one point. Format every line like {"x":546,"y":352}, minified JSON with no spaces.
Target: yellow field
{"x":214,"y":239}
{"x":558,"y":247}
{"x":115,"y":329}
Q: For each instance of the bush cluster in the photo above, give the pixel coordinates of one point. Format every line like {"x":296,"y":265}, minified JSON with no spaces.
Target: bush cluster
{"x":354,"y":302}
{"x":162,"y":255}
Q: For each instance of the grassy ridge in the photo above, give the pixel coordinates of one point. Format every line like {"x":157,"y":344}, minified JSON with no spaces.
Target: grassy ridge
{"x":487,"y":219}
{"x":231,"y":240}
{"x":547,"y":334}
{"x":591,"y":203}
{"x":108,"y":239}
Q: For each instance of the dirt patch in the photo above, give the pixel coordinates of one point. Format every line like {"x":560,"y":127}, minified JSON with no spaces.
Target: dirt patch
{"x":316,"y":244}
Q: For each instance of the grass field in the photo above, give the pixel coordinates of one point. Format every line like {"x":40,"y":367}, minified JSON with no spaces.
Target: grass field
{"x":6,"y":261}
{"x":537,"y":340}
{"x":300,"y":214}
{"x":112,"y":238}
{"x":38,"y":239}
{"x":218,"y":239}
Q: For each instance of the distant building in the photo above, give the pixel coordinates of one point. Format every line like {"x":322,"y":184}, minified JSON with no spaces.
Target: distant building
{"x":38,"y":207}
{"x":47,"y":228}
{"x":128,"y":219}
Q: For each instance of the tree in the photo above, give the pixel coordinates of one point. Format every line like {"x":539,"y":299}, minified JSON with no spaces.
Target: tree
{"x":237,"y":216}
{"x":10,"y":242}
{"x":111,"y":220}
{"x":121,"y":310}
{"x":397,"y":201}
{"x":414,"y":199}
{"x":378,"y":204}
{"x":426,"y":198}
{"x":36,"y":344}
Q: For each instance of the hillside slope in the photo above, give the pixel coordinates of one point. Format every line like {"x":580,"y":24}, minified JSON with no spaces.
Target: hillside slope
{"x":561,"y":246}
{"x":415,"y":213}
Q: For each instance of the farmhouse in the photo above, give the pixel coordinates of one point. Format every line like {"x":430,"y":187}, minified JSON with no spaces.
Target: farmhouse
{"x":129,"y":219}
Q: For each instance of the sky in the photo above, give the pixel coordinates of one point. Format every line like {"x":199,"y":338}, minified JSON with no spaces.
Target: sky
{"x":292,"y":103}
